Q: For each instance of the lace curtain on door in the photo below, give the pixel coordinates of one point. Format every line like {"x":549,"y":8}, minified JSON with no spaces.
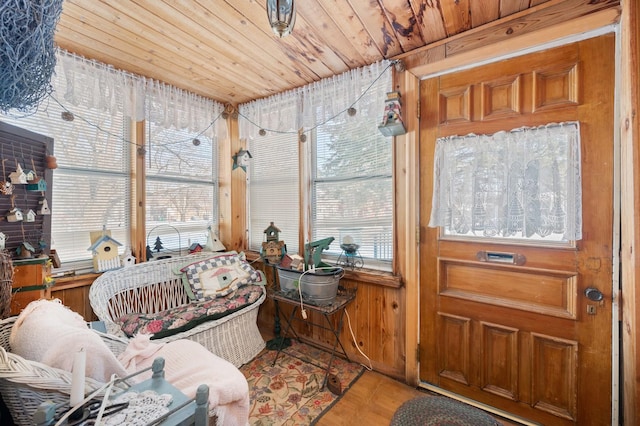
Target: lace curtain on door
{"x":522,"y":184}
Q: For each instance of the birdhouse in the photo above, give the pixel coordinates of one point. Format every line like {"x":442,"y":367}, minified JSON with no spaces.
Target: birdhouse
{"x":241,"y":159}
{"x":44,"y":207}
{"x":272,"y":250}
{"x":105,"y":253}
{"x":37,"y":184}
{"x":128,"y":259}
{"x":392,"y":124}
{"x":213,"y":243}
{"x":272,"y":232}
{"x":25,"y":250}
{"x":3,"y":240}
{"x":30,"y":175}
{"x":18,"y":177}
{"x":195,"y":248}
{"x":30,"y":216}
{"x":15,"y":215}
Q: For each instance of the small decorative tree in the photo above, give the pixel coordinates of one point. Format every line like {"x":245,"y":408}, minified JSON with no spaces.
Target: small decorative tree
{"x":158,"y":244}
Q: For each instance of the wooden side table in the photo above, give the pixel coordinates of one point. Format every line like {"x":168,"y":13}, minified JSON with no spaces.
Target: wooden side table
{"x":337,"y":307}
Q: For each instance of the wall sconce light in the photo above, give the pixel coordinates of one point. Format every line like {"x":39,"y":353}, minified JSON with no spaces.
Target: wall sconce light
{"x":282,"y":16}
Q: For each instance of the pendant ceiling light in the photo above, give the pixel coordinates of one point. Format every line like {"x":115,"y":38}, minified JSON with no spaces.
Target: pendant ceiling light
{"x":282,"y":16}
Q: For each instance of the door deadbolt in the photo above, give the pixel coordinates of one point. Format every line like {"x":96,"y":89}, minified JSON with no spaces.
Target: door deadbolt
{"x":593,"y":294}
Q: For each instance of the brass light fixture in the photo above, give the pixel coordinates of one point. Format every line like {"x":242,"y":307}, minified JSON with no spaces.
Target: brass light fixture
{"x":282,"y":16}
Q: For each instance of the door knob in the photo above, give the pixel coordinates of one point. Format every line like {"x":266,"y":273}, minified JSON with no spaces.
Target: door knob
{"x":593,"y":294}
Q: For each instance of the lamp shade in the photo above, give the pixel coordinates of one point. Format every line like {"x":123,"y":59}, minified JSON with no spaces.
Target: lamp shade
{"x":282,"y":16}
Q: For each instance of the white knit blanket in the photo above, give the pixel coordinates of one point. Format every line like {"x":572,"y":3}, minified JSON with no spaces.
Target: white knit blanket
{"x":46,"y":331}
{"x":188,"y":365}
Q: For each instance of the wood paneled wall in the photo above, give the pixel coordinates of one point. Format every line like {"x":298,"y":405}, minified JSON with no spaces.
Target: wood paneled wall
{"x":74,"y":293}
{"x":373,"y":326}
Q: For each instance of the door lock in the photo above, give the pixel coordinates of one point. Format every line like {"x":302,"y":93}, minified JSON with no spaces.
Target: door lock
{"x":593,"y":294}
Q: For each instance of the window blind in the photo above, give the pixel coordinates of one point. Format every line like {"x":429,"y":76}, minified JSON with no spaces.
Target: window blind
{"x":352,"y":187}
{"x":273,"y":189}
{"x":182,"y":184}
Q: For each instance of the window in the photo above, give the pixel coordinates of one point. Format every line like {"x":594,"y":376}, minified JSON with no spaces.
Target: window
{"x":182,"y":177}
{"x":91,"y":186}
{"x":352,"y":188}
{"x":273,"y":189}
{"x":522,"y":185}
{"x":343,"y":176}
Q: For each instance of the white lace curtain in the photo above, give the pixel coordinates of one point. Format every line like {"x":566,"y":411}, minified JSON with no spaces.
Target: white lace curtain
{"x":95,"y":85}
{"x":525,"y":183}
{"x":313,"y":104}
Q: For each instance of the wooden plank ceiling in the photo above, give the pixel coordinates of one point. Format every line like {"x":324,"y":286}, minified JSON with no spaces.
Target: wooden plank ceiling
{"x":225,"y":49}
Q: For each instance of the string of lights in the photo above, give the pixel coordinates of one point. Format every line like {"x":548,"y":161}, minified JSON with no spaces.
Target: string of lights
{"x":68,"y":115}
{"x":350,"y":110}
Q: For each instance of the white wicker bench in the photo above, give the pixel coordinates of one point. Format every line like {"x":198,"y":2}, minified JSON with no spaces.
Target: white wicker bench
{"x":153,"y":286}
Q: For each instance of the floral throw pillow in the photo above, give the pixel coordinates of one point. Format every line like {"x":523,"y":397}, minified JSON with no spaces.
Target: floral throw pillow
{"x":220,"y":275}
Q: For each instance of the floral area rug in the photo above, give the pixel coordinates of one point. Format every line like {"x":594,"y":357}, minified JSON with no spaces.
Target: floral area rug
{"x":288,"y":393}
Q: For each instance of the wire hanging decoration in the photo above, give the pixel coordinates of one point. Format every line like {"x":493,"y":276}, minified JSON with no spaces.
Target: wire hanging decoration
{"x":28,"y":54}
{"x":350,"y":110}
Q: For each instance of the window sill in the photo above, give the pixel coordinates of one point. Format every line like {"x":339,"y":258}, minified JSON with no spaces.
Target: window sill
{"x":367,"y":276}
{"x":73,"y":281}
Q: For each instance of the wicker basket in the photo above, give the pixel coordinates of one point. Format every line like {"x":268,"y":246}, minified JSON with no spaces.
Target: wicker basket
{"x":6,"y":284}
{"x":25,"y":384}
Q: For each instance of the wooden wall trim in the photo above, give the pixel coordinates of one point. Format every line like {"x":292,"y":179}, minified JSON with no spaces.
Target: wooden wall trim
{"x":550,"y":21}
{"x":383,"y":279}
{"x":226,"y":203}
{"x":65,"y":283}
{"x":407,"y":217}
{"x":630,"y":211}
{"x":138,"y":192}
{"x":379,"y":278}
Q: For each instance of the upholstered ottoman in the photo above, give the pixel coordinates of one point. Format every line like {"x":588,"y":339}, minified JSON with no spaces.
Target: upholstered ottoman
{"x":438,"y":411}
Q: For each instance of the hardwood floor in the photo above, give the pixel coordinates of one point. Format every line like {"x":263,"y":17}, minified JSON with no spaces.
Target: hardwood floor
{"x":372,"y":400}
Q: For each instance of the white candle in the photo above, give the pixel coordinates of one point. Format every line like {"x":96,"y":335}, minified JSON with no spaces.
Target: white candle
{"x":77,"y":378}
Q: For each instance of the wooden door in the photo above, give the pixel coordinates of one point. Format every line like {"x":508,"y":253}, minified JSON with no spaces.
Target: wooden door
{"x":524,"y":338}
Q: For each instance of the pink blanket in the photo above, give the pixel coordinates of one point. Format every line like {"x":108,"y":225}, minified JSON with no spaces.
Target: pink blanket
{"x":188,"y":365}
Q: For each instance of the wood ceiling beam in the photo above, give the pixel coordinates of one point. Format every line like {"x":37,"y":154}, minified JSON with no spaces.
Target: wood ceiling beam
{"x":551,"y":20}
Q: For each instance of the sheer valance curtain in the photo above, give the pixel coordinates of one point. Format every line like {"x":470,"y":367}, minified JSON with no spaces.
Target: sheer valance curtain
{"x":525,"y":183}
{"x":314,"y":104}
{"x":91,"y":84}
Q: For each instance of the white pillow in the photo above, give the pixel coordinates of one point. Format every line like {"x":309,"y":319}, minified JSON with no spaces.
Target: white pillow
{"x":223,"y":275}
